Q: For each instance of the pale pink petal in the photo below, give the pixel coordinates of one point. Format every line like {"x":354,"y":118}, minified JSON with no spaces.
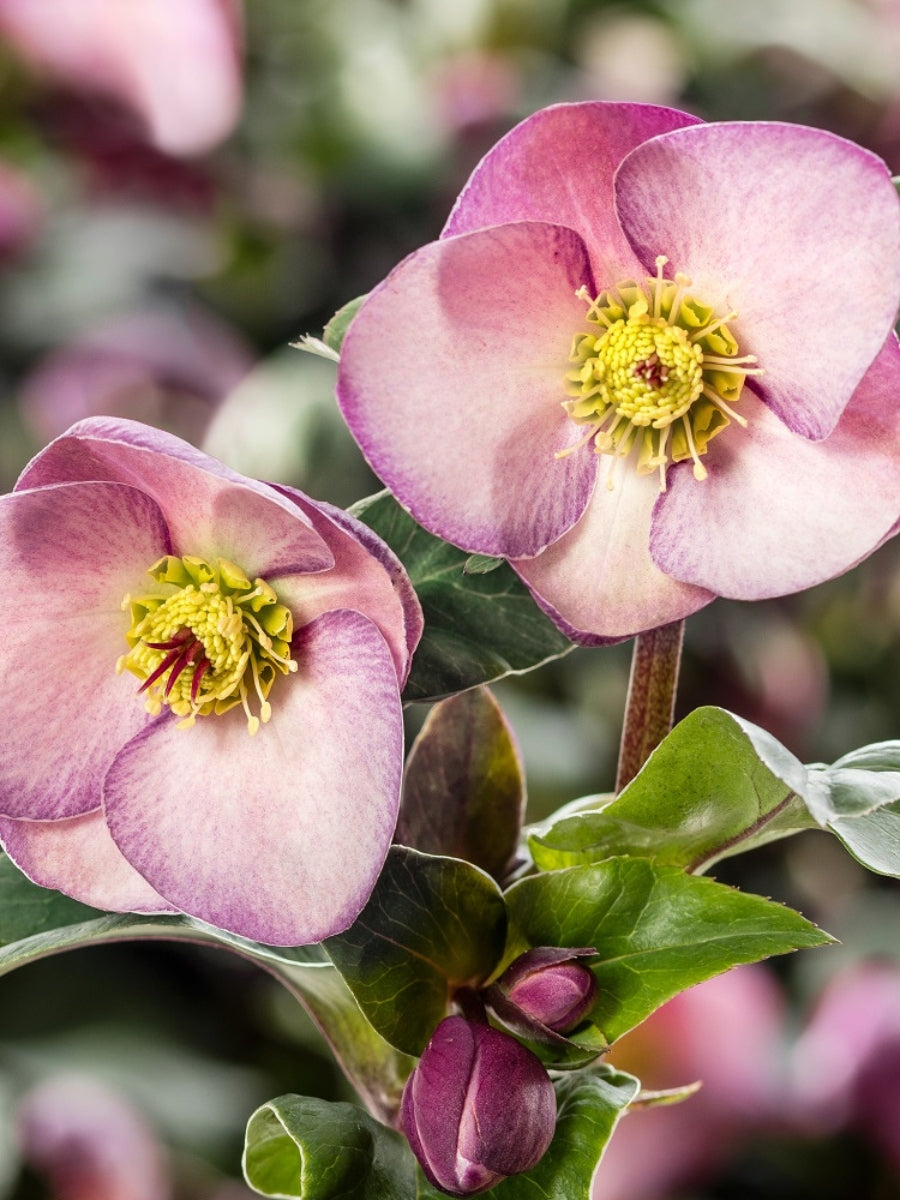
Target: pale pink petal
{"x":278,"y":837}
{"x":367,"y":576}
{"x":558,"y":165}
{"x":795,"y":230}
{"x":599,"y":581}
{"x":71,"y":552}
{"x":211,"y":511}
{"x":805,"y":511}
{"x":77,"y":856}
{"x":451,"y":380}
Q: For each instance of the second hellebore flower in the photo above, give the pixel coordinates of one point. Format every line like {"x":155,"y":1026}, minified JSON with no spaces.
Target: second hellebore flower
{"x":650,"y":361}
{"x":254,"y":780}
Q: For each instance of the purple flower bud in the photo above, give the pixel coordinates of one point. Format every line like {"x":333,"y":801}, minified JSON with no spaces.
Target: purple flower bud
{"x":548,"y":986}
{"x":478,"y":1107}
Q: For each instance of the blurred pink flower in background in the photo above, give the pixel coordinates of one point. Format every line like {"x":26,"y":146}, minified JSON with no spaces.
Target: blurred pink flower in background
{"x":845,"y":1067}
{"x":725,"y":1033}
{"x":165,"y":367}
{"x":21,"y":211}
{"x":90,"y":1143}
{"x":177,"y":67}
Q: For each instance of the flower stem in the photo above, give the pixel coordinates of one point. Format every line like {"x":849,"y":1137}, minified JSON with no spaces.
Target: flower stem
{"x":651,"y":697}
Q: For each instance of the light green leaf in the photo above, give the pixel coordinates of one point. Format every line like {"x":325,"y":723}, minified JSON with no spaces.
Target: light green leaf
{"x":463,"y":791}
{"x":308,"y":1149}
{"x":656,"y":930}
{"x":478,"y":628}
{"x":716,"y":786}
{"x":431,"y":925}
{"x":863,"y":804}
{"x":336,"y":329}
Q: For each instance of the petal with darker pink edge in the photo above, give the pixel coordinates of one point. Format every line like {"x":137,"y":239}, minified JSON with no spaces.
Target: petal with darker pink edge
{"x":278,"y":837}
{"x":211,"y":511}
{"x":777,"y":513}
{"x":451,"y":379}
{"x":367,"y":576}
{"x":795,"y":230}
{"x":71,"y":554}
{"x":599,"y":579}
{"x":558,"y":165}
{"x":77,"y":856}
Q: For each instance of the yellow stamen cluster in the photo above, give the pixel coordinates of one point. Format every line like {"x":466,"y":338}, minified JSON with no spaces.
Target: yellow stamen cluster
{"x":659,"y":378}
{"x":206,"y":639}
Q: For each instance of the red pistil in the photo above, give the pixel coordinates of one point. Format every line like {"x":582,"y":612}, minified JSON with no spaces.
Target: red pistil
{"x":185,"y":650}
{"x":652,"y":370}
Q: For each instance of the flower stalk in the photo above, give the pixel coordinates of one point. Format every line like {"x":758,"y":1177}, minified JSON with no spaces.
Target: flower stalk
{"x":652,"y":687}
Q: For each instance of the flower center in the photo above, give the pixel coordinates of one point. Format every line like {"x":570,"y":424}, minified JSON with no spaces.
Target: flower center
{"x":206,"y":639}
{"x":658,"y":378}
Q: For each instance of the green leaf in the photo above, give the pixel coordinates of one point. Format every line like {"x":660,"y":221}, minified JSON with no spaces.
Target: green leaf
{"x":482,"y":564}
{"x":297,"y":1146}
{"x":36,"y":922}
{"x":716,"y":786}
{"x":463,"y":792}
{"x":478,"y":628}
{"x":656,"y":930}
{"x":431,"y":925}
{"x":336,"y":329}
{"x":863,"y":804}
{"x":589,"y":1104}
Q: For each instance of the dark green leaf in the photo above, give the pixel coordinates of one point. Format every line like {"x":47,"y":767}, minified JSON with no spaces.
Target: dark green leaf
{"x":589,"y":1104}
{"x":301,"y":1147}
{"x":36,"y":922}
{"x":656,"y":930}
{"x":431,"y":925}
{"x":716,"y":786}
{"x":478,"y":628}
{"x":463,"y":793}
{"x":336,"y":329}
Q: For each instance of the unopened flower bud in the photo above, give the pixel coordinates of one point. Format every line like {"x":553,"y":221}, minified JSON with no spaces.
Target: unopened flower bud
{"x":478,"y":1107}
{"x":547,"y":986}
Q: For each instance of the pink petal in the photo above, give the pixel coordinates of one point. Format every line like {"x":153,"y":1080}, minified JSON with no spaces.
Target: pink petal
{"x":367,"y":576}
{"x":558,"y":166}
{"x":451,"y":379}
{"x":278,"y":837}
{"x":599,"y":582}
{"x":78,"y":857}
{"x":778,"y":513}
{"x":211,"y":511}
{"x":794,"y":229}
{"x":71,"y":553}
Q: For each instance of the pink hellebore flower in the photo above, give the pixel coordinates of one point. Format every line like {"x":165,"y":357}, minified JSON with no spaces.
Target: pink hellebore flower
{"x":650,"y":361}
{"x":254,"y":782}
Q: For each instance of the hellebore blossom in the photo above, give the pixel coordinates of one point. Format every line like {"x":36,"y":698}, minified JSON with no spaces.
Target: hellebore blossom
{"x":650,"y":361}
{"x":478,"y":1107}
{"x":545,"y":991}
{"x":212,"y":668}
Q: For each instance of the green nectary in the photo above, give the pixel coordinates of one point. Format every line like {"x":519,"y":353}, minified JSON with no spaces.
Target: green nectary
{"x":206,"y":639}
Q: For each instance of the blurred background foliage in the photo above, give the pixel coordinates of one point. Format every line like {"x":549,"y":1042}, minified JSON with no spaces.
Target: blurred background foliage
{"x":184,"y":190}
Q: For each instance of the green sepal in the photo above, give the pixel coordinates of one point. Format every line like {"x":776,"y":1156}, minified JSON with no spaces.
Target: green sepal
{"x":478,"y":628}
{"x":656,"y":930}
{"x":464,"y":790}
{"x":302,"y":1148}
{"x":431,"y":925}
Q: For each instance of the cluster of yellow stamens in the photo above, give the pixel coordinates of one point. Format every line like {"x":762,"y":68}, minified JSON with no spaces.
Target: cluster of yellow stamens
{"x":207,"y":639}
{"x":659,"y":378}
